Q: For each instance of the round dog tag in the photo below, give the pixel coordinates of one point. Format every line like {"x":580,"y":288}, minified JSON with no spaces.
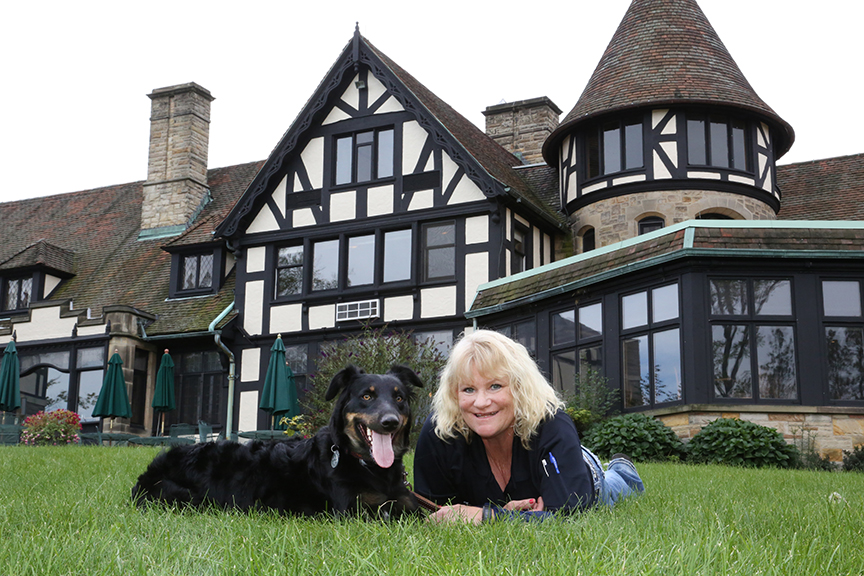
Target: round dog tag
{"x":334,"y":461}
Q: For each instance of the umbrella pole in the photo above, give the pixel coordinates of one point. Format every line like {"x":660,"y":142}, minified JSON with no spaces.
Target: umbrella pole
{"x":162,"y":428}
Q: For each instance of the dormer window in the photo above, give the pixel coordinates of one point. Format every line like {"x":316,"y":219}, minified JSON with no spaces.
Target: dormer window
{"x":363,"y":156}
{"x":197,"y":271}
{"x":18,"y":293}
{"x":614,"y":147}
{"x":718,"y":141}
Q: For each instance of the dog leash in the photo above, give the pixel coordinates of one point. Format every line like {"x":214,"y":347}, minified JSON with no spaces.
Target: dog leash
{"x":425,"y":503}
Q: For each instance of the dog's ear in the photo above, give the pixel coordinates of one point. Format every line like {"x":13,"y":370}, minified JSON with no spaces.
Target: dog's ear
{"x":406,"y":375}
{"x":341,"y":380}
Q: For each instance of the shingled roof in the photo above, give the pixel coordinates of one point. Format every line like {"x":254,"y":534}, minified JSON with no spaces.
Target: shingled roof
{"x":829,"y":189}
{"x":666,"y":53}
{"x":41,"y":253}
{"x":689,"y":239}
{"x":111,"y":266}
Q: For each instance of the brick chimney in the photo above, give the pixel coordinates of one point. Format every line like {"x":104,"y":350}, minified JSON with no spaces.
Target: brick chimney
{"x":522,"y":127}
{"x":176,"y":187}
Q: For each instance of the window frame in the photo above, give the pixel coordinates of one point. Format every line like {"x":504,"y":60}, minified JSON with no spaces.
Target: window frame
{"x":595,"y":153}
{"x":707,"y":148}
{"x":425,"y":250}
{"x":207,"y":379}
{"x":650,"y":224}
{"x":178,"y":269}
{"x":589,"y":240}
{"x":847,"y":323}
{"x":301,"y":266}
{"x":307,"y":248}
{"x":197,"y":256}
{"x":376,"y":155}
{"x":752,"y":321}
{"x":575,"y":345}
{"x":20,"y":279}
{"x":519,"y":260}
{"x":49,"y":358}
{"x":650,"y":329}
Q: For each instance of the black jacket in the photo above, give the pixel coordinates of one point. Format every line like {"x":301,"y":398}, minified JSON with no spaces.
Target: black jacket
{"x":458,"y":471}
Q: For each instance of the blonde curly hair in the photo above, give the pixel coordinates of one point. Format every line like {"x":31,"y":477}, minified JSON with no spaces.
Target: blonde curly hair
{"x":494,"y":356}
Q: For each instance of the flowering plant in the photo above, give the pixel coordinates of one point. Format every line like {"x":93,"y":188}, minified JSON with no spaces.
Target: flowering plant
{"x":297,"y":425}
{"x":56,"y":428}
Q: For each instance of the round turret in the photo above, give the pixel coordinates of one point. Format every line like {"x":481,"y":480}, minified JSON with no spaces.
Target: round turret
{"x":667,"y":129}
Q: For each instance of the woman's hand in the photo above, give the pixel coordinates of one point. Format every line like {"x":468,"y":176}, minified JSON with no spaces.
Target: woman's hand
{"x":530,"y":505}
{"x":458,"y":513}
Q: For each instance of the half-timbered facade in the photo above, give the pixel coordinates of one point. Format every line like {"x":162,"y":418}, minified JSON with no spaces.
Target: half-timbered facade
{"x":376,"y":207}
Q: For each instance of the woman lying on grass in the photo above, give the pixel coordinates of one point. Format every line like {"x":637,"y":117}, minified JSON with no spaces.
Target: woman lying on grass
{"x":528,"y":462}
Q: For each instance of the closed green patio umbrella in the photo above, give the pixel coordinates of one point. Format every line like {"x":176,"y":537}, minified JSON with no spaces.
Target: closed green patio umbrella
{"x":10,"y":375}
{"x":163,"y":397}
{"x":279,"y":396}
{"x":113,"y":401}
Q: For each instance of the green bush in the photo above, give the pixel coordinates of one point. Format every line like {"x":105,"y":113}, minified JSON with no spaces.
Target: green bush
{"x":592,"y":402}
{"x":637,"y":435}
{"x":742,"y":443}
{"x":854,"y":461}
{"x":375,"y":351}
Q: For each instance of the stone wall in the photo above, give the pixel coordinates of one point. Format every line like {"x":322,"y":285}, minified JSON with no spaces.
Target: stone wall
{"x":522,"y":127}
{"x":617,"y":219}
{"x":831,"y":433}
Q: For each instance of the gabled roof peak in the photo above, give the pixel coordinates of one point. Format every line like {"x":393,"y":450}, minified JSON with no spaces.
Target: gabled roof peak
{"x":666,"y":53}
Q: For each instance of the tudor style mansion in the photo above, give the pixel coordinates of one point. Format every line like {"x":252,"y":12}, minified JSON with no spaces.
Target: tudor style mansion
{"x":648,"y":234}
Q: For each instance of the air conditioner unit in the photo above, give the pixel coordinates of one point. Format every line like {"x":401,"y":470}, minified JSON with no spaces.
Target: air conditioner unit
{"x":357,"y":310}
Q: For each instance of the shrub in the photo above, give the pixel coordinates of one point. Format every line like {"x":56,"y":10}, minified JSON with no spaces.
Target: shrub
{"x":637,"y":435}
{"x":592,"y":402}
{"x":375,"y":351}
{"x":742,"y":443}
{"x":56,"y":428}
{"x":854,"y":461}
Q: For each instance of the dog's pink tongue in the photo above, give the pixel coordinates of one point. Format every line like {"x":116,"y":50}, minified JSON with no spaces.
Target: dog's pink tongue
{"x":382,"y":449}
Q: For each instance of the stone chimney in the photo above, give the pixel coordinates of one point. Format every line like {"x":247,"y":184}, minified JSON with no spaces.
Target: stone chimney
{"x":522,"y":127}
{"x":176,"y":187}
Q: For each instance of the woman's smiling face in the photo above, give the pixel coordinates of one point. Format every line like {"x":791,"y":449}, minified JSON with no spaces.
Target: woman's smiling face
{"x":487,"y":405}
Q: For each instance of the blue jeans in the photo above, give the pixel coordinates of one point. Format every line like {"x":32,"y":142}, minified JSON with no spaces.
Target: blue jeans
{"x":619,"y":480}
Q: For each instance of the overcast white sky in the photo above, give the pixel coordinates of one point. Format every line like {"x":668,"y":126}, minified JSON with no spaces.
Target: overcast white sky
{"x":76,"y":74}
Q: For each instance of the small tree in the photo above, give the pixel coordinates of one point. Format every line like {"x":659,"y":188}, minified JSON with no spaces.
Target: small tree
{"x":375,"y":351}
{"x":592,"y":402}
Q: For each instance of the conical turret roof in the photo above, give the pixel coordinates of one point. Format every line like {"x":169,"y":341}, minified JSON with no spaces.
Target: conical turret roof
{"x":666,"y":53}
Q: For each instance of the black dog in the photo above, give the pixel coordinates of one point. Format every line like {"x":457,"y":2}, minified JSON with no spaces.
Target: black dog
{"x":353,"y":464}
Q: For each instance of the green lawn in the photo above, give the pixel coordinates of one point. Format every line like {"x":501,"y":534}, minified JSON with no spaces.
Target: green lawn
{"x":66,"y":510}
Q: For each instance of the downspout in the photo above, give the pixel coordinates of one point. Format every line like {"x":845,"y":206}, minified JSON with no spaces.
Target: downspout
{"x":217,"y":337}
